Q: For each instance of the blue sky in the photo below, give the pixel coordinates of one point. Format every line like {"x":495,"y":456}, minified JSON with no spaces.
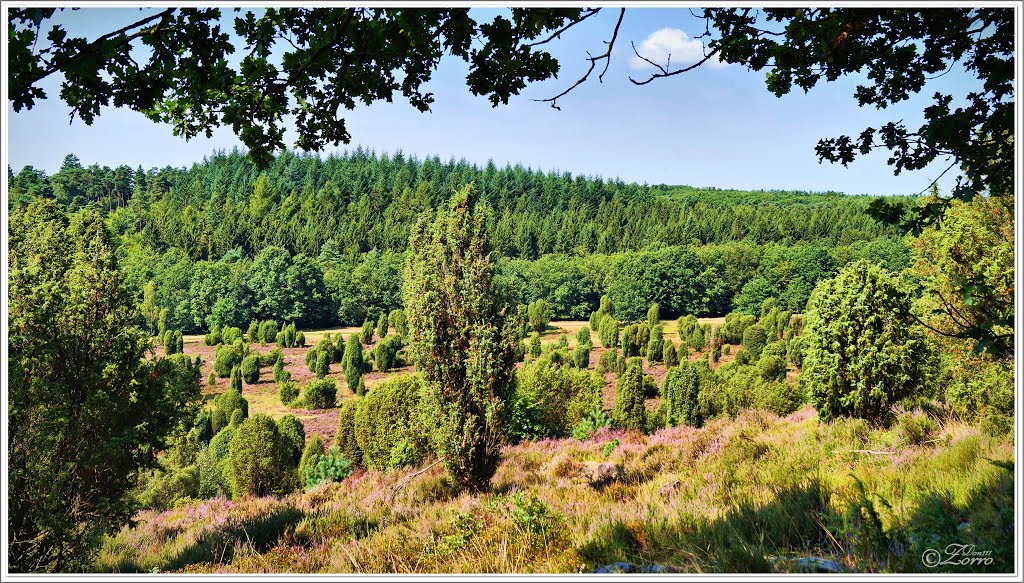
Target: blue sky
{"x":715,"y":126}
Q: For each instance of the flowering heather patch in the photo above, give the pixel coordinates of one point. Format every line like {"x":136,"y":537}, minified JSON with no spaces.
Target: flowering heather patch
{"x":754,"y":493}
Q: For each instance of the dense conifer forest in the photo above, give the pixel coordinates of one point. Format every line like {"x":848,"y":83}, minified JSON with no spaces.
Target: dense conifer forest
{"x":320,"y":241}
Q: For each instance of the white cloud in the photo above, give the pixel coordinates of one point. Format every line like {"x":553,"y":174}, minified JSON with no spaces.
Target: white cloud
{"x":671,"y":42}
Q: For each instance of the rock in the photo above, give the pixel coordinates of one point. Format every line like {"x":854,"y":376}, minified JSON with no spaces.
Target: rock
{"x":623,"y":567}
{"x":602,"y":473}
{"x":817,"y":565}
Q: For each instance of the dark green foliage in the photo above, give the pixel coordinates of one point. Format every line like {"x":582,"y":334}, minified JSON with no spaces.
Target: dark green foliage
{"x":287,"y":390}
{"x":382,"y":325}
{"x":237,"y":416}
{"x":173,"y":342}
{"x":323,"y":364}
{"x":346,"y":434}
{"x":385,"y":354}
{"x":321,"y":394}
{"x":535,"y":346}
{"x":353,"y":363}
{"x":310,"y":359}
{"x":250,"y":369}
{"x":230,"y":334}
{"x":653,"y":315}
{"x":396,"y":320}
{"x":630,"y":341}
{"x":777,"y":396}
{"x":261,"y":462}
{"x":279,"y":370}
{"x":300,"y":339}
{"x":655,"y":344}
{"x":252,"y":334}
{"x":668,"y":352}
{"x":538,"y":314}
{"x":293,"y":430}
{"x":643,"y":336}
{"x":311,"y":454}
{"x":387,"y":417}
{"x":226,"y":358}
{"x":608,"y":332}
{"x":583,"y":337}
{"x":464,"y":332}
{"x":180,"y":342}
{"x":611,"y":361}
{"x":550,"y":399}
{"x":630,"y":411}
{"x":367,"y":333}
{"x":229,"y":402}
{"x":754,"y":340}
{"x":235,"y":384}
{"x":771,"y":367}
{"x":286,"y":337}
{"x":681,"y":388}
{"x":795,"y":352}
{"x":267,"y":332}
{"x":672,"y":278}
{"x":581,"y":356}
{"x":214,"y":337}
{"x":864,"y":352}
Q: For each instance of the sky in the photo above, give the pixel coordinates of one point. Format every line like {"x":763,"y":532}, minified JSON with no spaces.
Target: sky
{"x":715,"y":126}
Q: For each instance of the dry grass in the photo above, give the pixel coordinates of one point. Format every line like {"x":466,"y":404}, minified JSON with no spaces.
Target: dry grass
{"x":747,"y":494}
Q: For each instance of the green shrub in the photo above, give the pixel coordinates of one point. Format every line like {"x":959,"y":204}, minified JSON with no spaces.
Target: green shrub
{"x":596,"y":420}
{"x":630,"y":412}
{"x":608,"y":332}
{"x":778,"y":397}
{"x":538,"y":314}
{"x":270,"y":357}
{"x":253,"y":333}
{"x":382,"y":325}
{"x":230,"y":334}
{"x":796,"y":351}
{"x":655,"y":344}
{"x":300,"y":339}
{"x":535,"y":346}
{"x":345,"y":437}
{"x":915,"y":428}
{"x":267,"y":331}
{"x":386,"y":416}
{"x":681,"y":388}
{"x":237,"y":416}
{"x":583,"y":337}
{"x":288,"y":391}
{"x":311,"y":454}
{"x":293,"y":430}
{"x":261,"y":461}
{"x":561,"y":395}
{"x":226,"y":358}
{"x":581,"y":356}
{"x":397,"y":320}
{"x":321,"y":394}
{"x":563,"y":341}
{"x":864,"y":350}
{"x":214,"y":337}
{"x":668,"y":352}
{"x":353,"y":363}
{"x":310,"y":359}
{"x":332,"y":466}
{"x":771,"y":367}
{"x":279,"y":370}
{"x":212,"y":379}
{"x":229,"y":402}
{"x":235,"y":384}
{"x":367,"y":333}
{"x":323,"y":364}
{"x":250,"y":369}
{"x":385,"y":354}
{"x":653,"y":315}
{"x":754,"y":340}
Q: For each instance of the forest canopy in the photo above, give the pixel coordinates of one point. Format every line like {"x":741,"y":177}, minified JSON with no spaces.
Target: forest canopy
{"x":321,"y":241}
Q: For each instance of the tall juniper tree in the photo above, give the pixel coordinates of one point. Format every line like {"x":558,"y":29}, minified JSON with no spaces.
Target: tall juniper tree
{"x":464,"y":327}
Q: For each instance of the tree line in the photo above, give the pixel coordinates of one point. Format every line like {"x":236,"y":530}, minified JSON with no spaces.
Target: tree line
{"x":321,"y":241}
